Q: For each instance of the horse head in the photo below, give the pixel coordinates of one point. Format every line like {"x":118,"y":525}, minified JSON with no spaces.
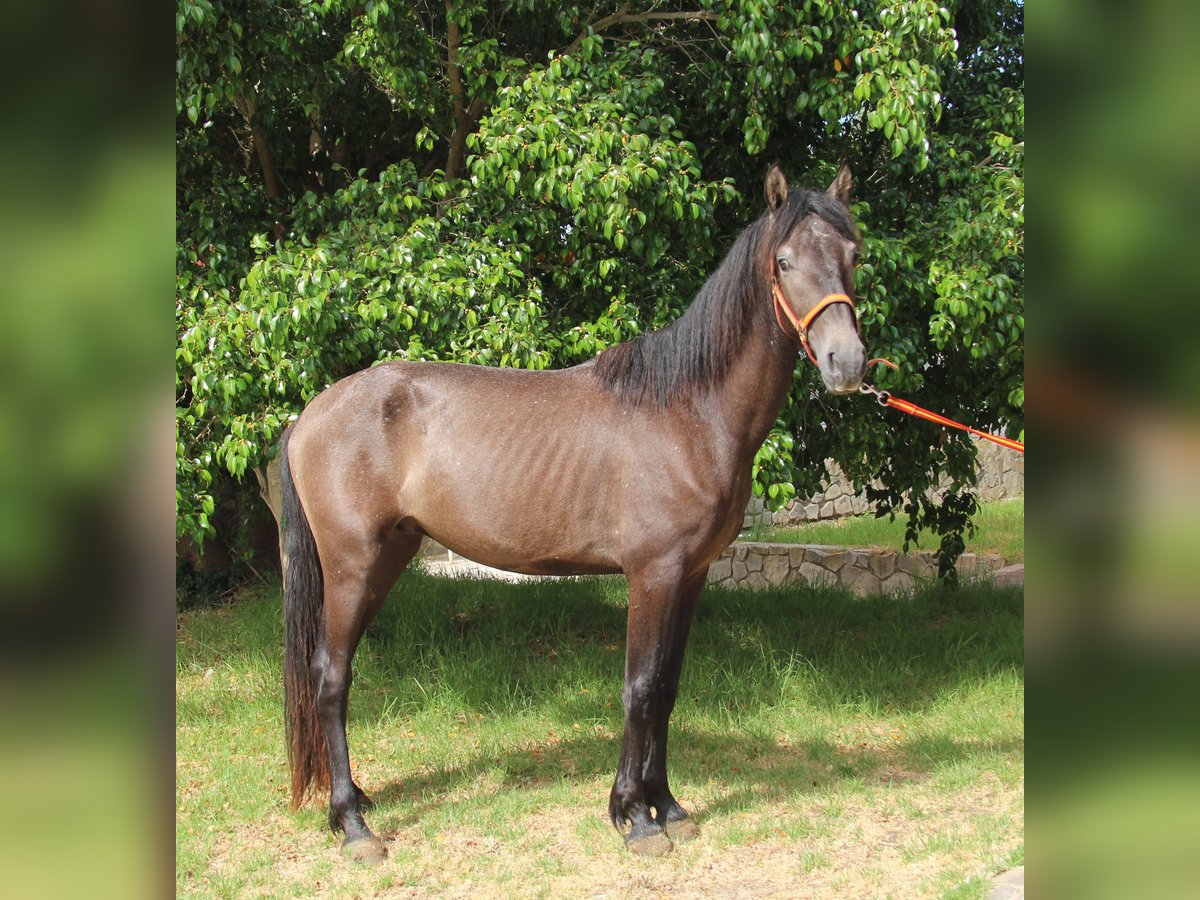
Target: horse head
{"x":813,"y":246}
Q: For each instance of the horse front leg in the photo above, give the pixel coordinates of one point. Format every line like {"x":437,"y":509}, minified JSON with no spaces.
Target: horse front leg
{"x":667,"y":811}
{"x":658,"y":598}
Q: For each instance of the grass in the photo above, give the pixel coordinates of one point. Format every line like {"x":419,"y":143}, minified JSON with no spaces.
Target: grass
{"x":999,"y":524}
{"x":828,"y":746}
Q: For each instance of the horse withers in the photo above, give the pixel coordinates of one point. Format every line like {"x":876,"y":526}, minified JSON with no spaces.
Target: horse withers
{"x":659,"y":433}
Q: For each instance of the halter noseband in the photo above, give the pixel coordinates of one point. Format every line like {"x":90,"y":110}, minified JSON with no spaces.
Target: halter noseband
{"x":802,"y":325}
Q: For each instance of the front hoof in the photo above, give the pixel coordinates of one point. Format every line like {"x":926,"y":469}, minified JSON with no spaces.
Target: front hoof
{"x":683,"y":831}
{"x":364,"y":850}
{"x":649,"y":843}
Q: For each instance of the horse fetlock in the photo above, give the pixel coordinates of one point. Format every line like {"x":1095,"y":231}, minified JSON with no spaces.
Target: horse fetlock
{"x":364,"y":802}
{"x":346,"y":817}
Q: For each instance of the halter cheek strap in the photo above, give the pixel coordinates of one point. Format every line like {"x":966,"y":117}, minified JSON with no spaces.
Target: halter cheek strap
{"x":802,"y":325}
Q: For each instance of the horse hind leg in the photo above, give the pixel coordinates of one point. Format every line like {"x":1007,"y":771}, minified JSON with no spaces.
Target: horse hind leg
{"x":354,"y":592}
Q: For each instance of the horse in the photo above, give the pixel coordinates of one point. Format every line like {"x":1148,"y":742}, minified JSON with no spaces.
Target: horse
{"x":659,"y":434}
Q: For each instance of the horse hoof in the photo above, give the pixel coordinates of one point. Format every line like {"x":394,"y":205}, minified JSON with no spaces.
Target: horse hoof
{"x":683,"y":831}
{"x":365,"y":850}
{"x":655,"y":843}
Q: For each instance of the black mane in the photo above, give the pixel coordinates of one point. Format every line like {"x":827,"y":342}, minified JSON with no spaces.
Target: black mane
{"x":694,"y":351}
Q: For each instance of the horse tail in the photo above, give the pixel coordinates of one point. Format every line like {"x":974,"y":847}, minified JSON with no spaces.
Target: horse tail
{"x":303,"y":603}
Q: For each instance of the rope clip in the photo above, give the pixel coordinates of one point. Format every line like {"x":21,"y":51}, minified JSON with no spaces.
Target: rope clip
{"x":882,"y":397}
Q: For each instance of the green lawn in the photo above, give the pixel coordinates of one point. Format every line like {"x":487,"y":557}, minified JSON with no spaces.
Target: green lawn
{"x":1000,"y":530}
{"x":827,"y":745}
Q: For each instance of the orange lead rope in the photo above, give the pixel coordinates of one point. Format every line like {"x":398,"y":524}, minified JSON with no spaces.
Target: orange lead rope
{"x":886,"y":399}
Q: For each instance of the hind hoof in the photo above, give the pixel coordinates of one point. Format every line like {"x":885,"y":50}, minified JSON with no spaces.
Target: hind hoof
{"x":365,"y":850}
{"x":653,"y":843}
{"x":683,"y":831}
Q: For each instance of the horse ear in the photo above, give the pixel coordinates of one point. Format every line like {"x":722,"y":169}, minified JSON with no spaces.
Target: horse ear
{"x":776,"y":187}
{"x":842,"y":182}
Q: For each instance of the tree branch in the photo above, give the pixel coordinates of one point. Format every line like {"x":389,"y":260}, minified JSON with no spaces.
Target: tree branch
{"x":624,"y":17}
{"x":453,"y":40}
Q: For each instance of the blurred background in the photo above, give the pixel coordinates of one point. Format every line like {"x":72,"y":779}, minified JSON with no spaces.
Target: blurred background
{"x":1112,"y":611}
{"x":86,"y":511}
{"x":86,"y":532}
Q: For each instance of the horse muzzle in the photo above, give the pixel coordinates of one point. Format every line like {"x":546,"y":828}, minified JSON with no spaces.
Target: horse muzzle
{"x":843,"y":367}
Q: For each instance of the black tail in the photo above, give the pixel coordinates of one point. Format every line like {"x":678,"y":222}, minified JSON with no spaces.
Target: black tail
{"x":303,"y":601}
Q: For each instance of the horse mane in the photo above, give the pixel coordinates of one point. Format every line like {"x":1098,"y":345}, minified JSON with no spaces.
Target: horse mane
{"x":694,"y":352}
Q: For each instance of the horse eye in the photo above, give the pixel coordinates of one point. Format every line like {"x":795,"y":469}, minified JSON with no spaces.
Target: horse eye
{"x":783,"y":264}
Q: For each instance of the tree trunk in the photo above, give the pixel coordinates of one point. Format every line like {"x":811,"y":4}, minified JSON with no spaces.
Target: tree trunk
{"x":262,"y":150}
{"x":466,"y":115}
{"x":458,"y":139}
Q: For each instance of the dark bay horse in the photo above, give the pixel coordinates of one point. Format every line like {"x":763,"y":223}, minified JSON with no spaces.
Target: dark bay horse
{"x":657,"y":435}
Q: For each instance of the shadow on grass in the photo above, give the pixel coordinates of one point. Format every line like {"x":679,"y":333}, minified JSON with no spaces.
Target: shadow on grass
{"x":492,"y":647}
{"x":495,"y":646}
{"x":554,"y":651}
{"x":739,"y":775}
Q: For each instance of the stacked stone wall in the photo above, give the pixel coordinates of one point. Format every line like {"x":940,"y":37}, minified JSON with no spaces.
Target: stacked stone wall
{"x":752,"y":564}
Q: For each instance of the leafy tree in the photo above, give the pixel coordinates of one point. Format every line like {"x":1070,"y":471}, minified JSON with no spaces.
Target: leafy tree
{"x":524,"y":183}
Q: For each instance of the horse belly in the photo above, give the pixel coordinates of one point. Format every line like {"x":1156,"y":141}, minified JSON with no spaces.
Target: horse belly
{"x":519,"y":536}
{"x":517,"y":490}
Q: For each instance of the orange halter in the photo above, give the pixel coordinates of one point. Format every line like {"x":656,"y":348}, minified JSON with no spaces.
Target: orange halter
{"x":802,"y":325}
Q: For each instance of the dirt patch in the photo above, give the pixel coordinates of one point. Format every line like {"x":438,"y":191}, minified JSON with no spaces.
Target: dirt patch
{"x":894,"y":838}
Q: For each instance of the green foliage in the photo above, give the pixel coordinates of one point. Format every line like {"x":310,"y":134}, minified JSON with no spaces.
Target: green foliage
{"x":772,"y":469}
{"x":603,"y":166}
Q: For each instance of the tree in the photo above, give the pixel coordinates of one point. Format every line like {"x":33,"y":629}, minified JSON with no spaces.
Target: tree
{"x":525,"y":184}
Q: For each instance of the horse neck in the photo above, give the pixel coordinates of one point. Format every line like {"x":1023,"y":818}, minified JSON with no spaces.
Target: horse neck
{"x":751,"y":395}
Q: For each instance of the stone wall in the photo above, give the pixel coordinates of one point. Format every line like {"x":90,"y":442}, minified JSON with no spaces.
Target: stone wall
{"x":755,"y":565}
{"x":1001,"y":476}
{"x":752,"y":564}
